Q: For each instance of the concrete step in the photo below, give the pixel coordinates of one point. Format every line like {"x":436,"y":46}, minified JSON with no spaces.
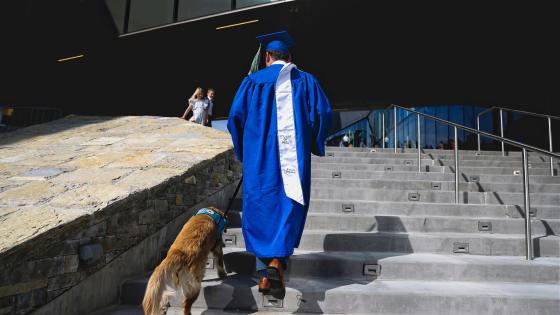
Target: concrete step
{"x":436,"y":156}
{"x":428,"y":224}
{"x":430,"y":255}
{"x":406,"y":266}
{"x":433,"y":176}
{"x":463,"y":170}
{"x":429,"y":151}
{"x":406,"y":223}
{"x":411,"y":184}
{"x":416,"y":242}
{"x":430,"y":162}
{"x":347,"y":296}
{"x":429,"y":209}
{"x":137,"y":310}
{"x":433,"y":196}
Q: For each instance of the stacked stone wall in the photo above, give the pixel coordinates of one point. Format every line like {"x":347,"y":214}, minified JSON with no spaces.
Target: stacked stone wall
{"x":42,"y":268}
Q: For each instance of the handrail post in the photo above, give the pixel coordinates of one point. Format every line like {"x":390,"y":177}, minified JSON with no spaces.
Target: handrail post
{"x":528,"y":239}
{"x":456,"y":152}
{"x":550,"y":146}
{"x":478,"y":129}
{"x":502,"y":129}
{"x":419,"y":142}
{"x":395,"y":126}
{"x":383,"y":128}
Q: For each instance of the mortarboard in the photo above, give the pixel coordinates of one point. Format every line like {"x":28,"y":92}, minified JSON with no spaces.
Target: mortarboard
{"x":279,"y":41}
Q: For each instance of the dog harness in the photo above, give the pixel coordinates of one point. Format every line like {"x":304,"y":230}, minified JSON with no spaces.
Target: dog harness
{"x":218,"y":219}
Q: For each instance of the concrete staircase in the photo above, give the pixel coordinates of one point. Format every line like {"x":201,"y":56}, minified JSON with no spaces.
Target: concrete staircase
{"x":382,"y":238}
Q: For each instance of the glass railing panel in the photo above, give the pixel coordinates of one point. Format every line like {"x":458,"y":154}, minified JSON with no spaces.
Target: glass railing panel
{"x":189,"y":9}
{"x":376,"y":122}
{"x":433,"y":134}
{"x":117,"y":8}
{"x":220,"y":124}
{"x":149,"y":13}
{"x":137,"y":15}
{"x":357,"y":134}
{"x":429,"y":136}
{"x":249,"y":3}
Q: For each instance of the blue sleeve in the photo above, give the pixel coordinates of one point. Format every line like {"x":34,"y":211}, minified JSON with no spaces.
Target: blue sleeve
{"x":321,"y":116}
{"x":238,"y":116}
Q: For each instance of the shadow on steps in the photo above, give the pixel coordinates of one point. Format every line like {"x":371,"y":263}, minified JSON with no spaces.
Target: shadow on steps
{"x":311,"y":302}
{"x":312,"y":274}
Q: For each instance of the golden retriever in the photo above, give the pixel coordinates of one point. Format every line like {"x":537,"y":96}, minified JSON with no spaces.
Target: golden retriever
{"x":183,"y":268}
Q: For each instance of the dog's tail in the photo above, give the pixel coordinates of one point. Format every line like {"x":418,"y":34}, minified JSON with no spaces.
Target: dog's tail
{"x":163,"y":283}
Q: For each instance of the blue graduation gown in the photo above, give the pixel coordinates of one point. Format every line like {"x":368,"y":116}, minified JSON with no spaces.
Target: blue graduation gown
{"x":273,"y":223}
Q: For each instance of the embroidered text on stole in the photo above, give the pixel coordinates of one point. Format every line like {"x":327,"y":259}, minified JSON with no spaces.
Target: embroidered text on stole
{"x":287,"y":135}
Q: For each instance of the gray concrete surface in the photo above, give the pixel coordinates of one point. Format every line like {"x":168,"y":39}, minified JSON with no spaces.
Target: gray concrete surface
{"x":346,"y":295}
{"x":365,"y":219}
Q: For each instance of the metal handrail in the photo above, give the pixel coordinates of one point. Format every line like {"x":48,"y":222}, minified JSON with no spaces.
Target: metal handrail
{"x":29,"y":115}
{"x":395,"y":123}
{"x":524,"y":148}
{"x":482,"y":133}
{"x":502,"y":109}
{"x":517,"y":111}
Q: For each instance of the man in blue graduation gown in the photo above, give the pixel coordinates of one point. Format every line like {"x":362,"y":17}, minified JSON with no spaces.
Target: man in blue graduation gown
{"x":279,"y":116}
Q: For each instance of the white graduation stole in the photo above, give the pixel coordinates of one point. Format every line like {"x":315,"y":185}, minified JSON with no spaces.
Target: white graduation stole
{"x":287,"y":135}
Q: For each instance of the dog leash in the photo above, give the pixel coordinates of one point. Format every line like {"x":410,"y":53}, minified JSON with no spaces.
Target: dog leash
{"x":232,"y":199}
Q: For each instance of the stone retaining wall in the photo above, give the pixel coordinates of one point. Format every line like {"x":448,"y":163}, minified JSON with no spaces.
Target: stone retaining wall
{"x":44,"y":268}
{"x":63,"y":247}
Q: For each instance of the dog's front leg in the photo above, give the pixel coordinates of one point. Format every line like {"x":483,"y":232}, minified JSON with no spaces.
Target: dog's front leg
{"x":219,"y":256}
{"x":189,"y":302}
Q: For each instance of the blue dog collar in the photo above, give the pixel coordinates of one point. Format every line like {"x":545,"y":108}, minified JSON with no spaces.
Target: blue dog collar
{"x":220,"y":221}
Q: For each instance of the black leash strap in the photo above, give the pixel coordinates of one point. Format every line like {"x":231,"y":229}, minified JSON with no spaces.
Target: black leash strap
{"x":231,"y":201}
{"x":233,"y":197}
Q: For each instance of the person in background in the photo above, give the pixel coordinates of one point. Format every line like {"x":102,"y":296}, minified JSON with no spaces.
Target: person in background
{"x":199,"y":107}
{"x":210,"y":97}
{"x":450,"y":144}
{"x":278,"y":118}
{"x":345,"y":141}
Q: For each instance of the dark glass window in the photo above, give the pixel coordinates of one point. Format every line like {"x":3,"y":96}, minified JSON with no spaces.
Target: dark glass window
{"x":430,"y":129}
{"x":149,"y":13}
{"x":249,"y":3}
{"x":145,"y":14}
{"x":189,"y":9}
{"x":117,"y":9}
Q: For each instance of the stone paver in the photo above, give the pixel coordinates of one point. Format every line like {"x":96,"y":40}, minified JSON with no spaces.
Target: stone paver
{"x":20,"y":224}
{"x":89,"y":162}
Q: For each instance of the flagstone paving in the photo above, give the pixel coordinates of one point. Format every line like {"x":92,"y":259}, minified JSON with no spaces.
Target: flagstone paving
{"x":88,"y":162}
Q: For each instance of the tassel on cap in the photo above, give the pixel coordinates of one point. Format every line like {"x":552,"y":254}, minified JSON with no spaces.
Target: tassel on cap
{"x":256,"y":62}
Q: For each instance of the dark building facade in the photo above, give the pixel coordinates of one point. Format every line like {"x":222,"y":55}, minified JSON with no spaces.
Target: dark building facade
{"x":366,"y":54}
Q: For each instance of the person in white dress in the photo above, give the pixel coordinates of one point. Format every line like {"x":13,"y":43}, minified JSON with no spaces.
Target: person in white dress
{"x":199,"y":107}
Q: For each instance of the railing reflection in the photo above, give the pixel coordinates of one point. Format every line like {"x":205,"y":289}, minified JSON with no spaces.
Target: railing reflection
{"x":23,"y":116}
{"x":375,"y":128}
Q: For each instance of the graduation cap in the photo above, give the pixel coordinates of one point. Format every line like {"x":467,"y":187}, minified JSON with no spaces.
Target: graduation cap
{"x":278,"y":41}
